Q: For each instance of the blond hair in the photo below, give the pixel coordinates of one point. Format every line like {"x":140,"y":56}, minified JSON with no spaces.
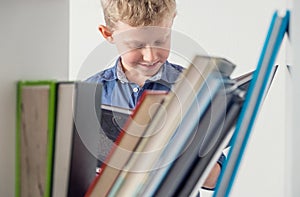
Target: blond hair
{"x":137,"y":13}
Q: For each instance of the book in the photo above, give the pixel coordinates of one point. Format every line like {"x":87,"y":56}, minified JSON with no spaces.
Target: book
{"x":257,"y":90}
{"x":162,"y":127}
{"x":63,"y":139}
{"x":185,"y":175}
{"x":126,"y":141}
{"x":76,"y":137}
{"x":113,"y":119}
{"x":167,"y":180}
{"x":216,"y":128}
{"x":34,"y":137}
{"x":199,"y":173}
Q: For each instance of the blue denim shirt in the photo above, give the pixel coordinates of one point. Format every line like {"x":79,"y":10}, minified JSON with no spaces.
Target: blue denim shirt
{"x":118,"y":91}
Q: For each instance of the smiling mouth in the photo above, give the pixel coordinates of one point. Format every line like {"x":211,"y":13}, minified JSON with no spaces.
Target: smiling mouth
{"x":150,"y":65}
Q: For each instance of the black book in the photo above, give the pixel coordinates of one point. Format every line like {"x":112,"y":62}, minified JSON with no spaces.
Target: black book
{"x":113,"y":119}
{"x":76,"y":137}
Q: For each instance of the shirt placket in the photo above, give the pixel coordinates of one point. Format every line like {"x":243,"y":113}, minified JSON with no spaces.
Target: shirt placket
{"x":135,"y":93}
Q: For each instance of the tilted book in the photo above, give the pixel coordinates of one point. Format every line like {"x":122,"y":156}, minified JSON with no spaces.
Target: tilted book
{"x":208,"y":132}
{"x":257,"y":90}
{"x":126,"y":141}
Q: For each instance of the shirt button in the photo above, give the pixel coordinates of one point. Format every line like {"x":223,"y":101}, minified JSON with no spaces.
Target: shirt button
{"x":135,"y":89}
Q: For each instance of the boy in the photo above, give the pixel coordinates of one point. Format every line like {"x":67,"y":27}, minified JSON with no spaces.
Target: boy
{"x":141,"y":32}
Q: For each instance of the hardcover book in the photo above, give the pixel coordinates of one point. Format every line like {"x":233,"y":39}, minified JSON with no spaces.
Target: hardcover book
{"x":126,"y":141}
{"x":35,"y":133}
{"x":76,"y":137}
{"x":257,"y":90}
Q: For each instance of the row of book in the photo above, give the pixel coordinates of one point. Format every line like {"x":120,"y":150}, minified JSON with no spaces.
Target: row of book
{"x":57,"y":132}
{"x":166,"y":146}
{"x":63,"y":132}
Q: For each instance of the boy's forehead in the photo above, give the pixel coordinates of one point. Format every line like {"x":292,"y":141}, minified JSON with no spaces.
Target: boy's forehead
{"x":128,"y":33}
{"x":163,"y":25}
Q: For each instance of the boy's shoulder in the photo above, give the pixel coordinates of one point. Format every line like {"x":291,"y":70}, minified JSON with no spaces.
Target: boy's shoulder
{"x":171,"y":72}
{"x":175,"y":66}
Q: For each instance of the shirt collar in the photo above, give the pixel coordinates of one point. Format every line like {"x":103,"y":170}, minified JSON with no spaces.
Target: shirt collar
{"x":122,"y":77}
{"x":167,"y":73}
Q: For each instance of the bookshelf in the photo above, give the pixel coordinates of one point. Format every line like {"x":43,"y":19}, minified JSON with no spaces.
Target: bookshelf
{"x":35,"y":44}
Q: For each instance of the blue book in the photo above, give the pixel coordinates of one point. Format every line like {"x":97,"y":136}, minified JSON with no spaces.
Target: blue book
{"x":254,"y":98}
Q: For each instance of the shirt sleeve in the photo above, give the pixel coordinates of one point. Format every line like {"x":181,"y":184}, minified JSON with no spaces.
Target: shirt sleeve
{"x":221,"y":160}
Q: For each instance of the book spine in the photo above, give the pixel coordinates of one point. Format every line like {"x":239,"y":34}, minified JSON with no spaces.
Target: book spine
{"x":50,"y":134}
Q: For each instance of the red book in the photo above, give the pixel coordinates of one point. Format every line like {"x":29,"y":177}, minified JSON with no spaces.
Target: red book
{"x":126,"y":142}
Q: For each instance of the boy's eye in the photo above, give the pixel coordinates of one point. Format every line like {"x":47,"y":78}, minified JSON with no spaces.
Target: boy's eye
{"x":158,"y":43}
{"x":139,"y":46}
{"x":136,"y":46}
{"x":162,"y":41}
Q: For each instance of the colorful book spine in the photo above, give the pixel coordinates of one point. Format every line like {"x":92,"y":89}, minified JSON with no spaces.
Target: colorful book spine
{"x":257,"y":89}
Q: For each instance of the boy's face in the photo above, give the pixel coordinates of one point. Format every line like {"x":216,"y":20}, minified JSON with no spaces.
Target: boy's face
{"x":143,"y":49}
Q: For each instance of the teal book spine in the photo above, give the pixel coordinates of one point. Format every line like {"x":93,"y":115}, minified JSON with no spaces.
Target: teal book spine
{"x":257,"y":90}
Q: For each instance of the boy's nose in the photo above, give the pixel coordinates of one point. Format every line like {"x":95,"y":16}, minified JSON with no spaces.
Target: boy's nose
{"x":149,"y":54}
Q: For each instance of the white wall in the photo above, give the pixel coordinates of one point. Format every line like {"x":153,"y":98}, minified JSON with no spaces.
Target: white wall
{"x":233,"y":29}
{"x":293,"y":137}
{"x":34,"y":45}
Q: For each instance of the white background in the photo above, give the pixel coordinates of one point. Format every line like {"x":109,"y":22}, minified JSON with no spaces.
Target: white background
{"x":52,"y":39}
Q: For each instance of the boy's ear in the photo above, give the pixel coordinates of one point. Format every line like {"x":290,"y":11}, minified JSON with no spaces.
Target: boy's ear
{"x":106,"y":33}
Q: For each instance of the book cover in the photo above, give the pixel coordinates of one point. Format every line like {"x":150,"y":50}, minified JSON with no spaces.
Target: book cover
{"x":34,"y":137}
{"x":216,"y":130}
{"x":182,"y":136}
{"x":113,"y":119}
{"x":126,"y":142}
{"x":238,"y":91}
{"x":257,"y":90}
{"x":209,"y":133}
{"x":76,"y":139}
{"x":63,"y":138}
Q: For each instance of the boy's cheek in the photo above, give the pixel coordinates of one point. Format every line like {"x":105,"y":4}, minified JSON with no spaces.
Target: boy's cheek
{"x":131,"y":56}
{"x":164,"y":54}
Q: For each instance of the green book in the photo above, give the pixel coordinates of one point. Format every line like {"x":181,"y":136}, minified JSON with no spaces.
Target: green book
{"x":35,"y":137}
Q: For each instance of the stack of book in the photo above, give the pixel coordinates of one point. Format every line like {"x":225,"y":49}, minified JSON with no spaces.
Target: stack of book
{"x":57,"y":137}
{"x":64,"y":133}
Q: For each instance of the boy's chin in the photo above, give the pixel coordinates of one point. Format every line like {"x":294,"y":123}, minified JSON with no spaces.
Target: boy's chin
{"x":154,"y":67}
{"x":148,"y":71}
